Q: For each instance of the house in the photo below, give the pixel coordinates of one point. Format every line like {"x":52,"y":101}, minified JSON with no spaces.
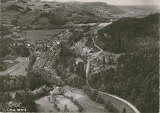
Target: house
{"x":86,"y":49}
{"x":78,"y":60}
{"x":39,"y":43}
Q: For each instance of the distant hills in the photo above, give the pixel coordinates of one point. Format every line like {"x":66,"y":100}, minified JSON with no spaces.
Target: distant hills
{"x":74,"y":12}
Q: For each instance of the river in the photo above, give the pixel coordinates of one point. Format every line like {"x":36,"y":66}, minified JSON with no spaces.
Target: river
{"x":91,"y":24}
{"x":104,"y":24}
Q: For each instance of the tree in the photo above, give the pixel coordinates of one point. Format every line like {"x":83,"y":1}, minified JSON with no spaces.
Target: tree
{"x":111,"y":108}
{"x":31,"y":62}
{"x":3,"y":66}
{"x":71,"y":63}
{"x":65,"y":107}
{"x":6,"y":97}
{"x":80,"y":70}
{"x":14,"y":21}
{"x":18,"y":97}
{"x":35,"y":79}
{"x":124,"y":110}
{"x":104,"y":60}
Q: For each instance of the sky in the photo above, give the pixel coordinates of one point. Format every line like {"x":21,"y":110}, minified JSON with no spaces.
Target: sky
{"x":118,"y":2}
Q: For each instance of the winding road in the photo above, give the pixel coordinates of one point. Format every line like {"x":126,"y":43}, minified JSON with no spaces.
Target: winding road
{"x":107,"y":94}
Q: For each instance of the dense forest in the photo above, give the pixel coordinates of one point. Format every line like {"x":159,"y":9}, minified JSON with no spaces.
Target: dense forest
{"x":5,"y":31}
{"x":23,"y":86}
{"x":39,"y":77}
{"x":65,"y":65}
{"x":136,"y":79}
{"x":126,"y":34}
{"x":15,"y":7}
{"x":8,"y":47}
{"x":136,"y":75}
{"x":53,"y":18}
{"x":63,"y":57}
{"x":10,"y":83}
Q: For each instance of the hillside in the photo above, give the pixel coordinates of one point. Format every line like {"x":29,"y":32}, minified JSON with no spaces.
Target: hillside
{"x":52,"y":18}
{"x":15,"y":7}
{"x":127,"y":34}
{"x":73,"y":12}
{"x":136,"y":79}
{"x":136,"y":75}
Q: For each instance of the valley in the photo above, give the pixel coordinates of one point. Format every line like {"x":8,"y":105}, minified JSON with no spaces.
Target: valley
{"x":78,"y":57}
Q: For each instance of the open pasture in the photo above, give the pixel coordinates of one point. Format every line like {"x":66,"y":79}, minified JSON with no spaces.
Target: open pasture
{"x":33,"y":35}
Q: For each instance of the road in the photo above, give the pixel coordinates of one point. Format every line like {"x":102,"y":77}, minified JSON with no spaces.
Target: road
{"x":106,"y":94}
{"x":18,"y":69}
{"x":97,"y":46}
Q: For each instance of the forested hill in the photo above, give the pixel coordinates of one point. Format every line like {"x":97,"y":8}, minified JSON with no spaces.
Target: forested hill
{"x":136,"y":75}
{"x":135,"y":80}
{"x":126,"y":34}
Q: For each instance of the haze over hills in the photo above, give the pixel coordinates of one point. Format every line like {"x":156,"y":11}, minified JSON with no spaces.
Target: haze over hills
{"x":74,"y":12}
{"x":122,"y":2}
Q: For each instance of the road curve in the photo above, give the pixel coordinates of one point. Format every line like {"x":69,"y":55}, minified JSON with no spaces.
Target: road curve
{"x":97,"y":46}
{"x":113,"y":96}
{"x":120,"y":99}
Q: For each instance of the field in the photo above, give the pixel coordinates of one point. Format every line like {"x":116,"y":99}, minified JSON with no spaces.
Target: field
{"x":84,"y":100}
{"x":18,"y":69}
{"x":62,"y":101}
{"x":43,"y":105}
{"x":33,"y":35}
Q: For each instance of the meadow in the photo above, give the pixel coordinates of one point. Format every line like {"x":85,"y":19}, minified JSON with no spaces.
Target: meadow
{"x":33,"y":35}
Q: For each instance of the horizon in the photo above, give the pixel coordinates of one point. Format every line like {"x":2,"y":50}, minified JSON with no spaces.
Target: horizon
{"x":113,"y":2}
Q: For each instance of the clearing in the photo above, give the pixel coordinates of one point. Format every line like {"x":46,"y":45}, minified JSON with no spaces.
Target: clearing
{"x":79,"y":95}
{"x":43,"y":105}
{"x":33,"y":35}
{"x":18,"y":69}
{"x":84,"y":100}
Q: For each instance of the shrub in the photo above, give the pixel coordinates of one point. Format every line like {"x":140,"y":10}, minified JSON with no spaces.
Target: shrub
{"x":58,"y":109}
{"x":94,"y":95}
{"x":124,"y":110}
{"x":55,"y":105}
{"x":116,"y":110}
{"x":99,"y":99}
{"x":72,"y":98}
{"x":111,"y":108}
{"x":75,"y":102}
{"x":106,"y":105}
{"x":80,"y":108}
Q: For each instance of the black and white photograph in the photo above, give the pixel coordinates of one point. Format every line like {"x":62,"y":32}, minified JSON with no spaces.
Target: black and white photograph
{"x":79,"y":56}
